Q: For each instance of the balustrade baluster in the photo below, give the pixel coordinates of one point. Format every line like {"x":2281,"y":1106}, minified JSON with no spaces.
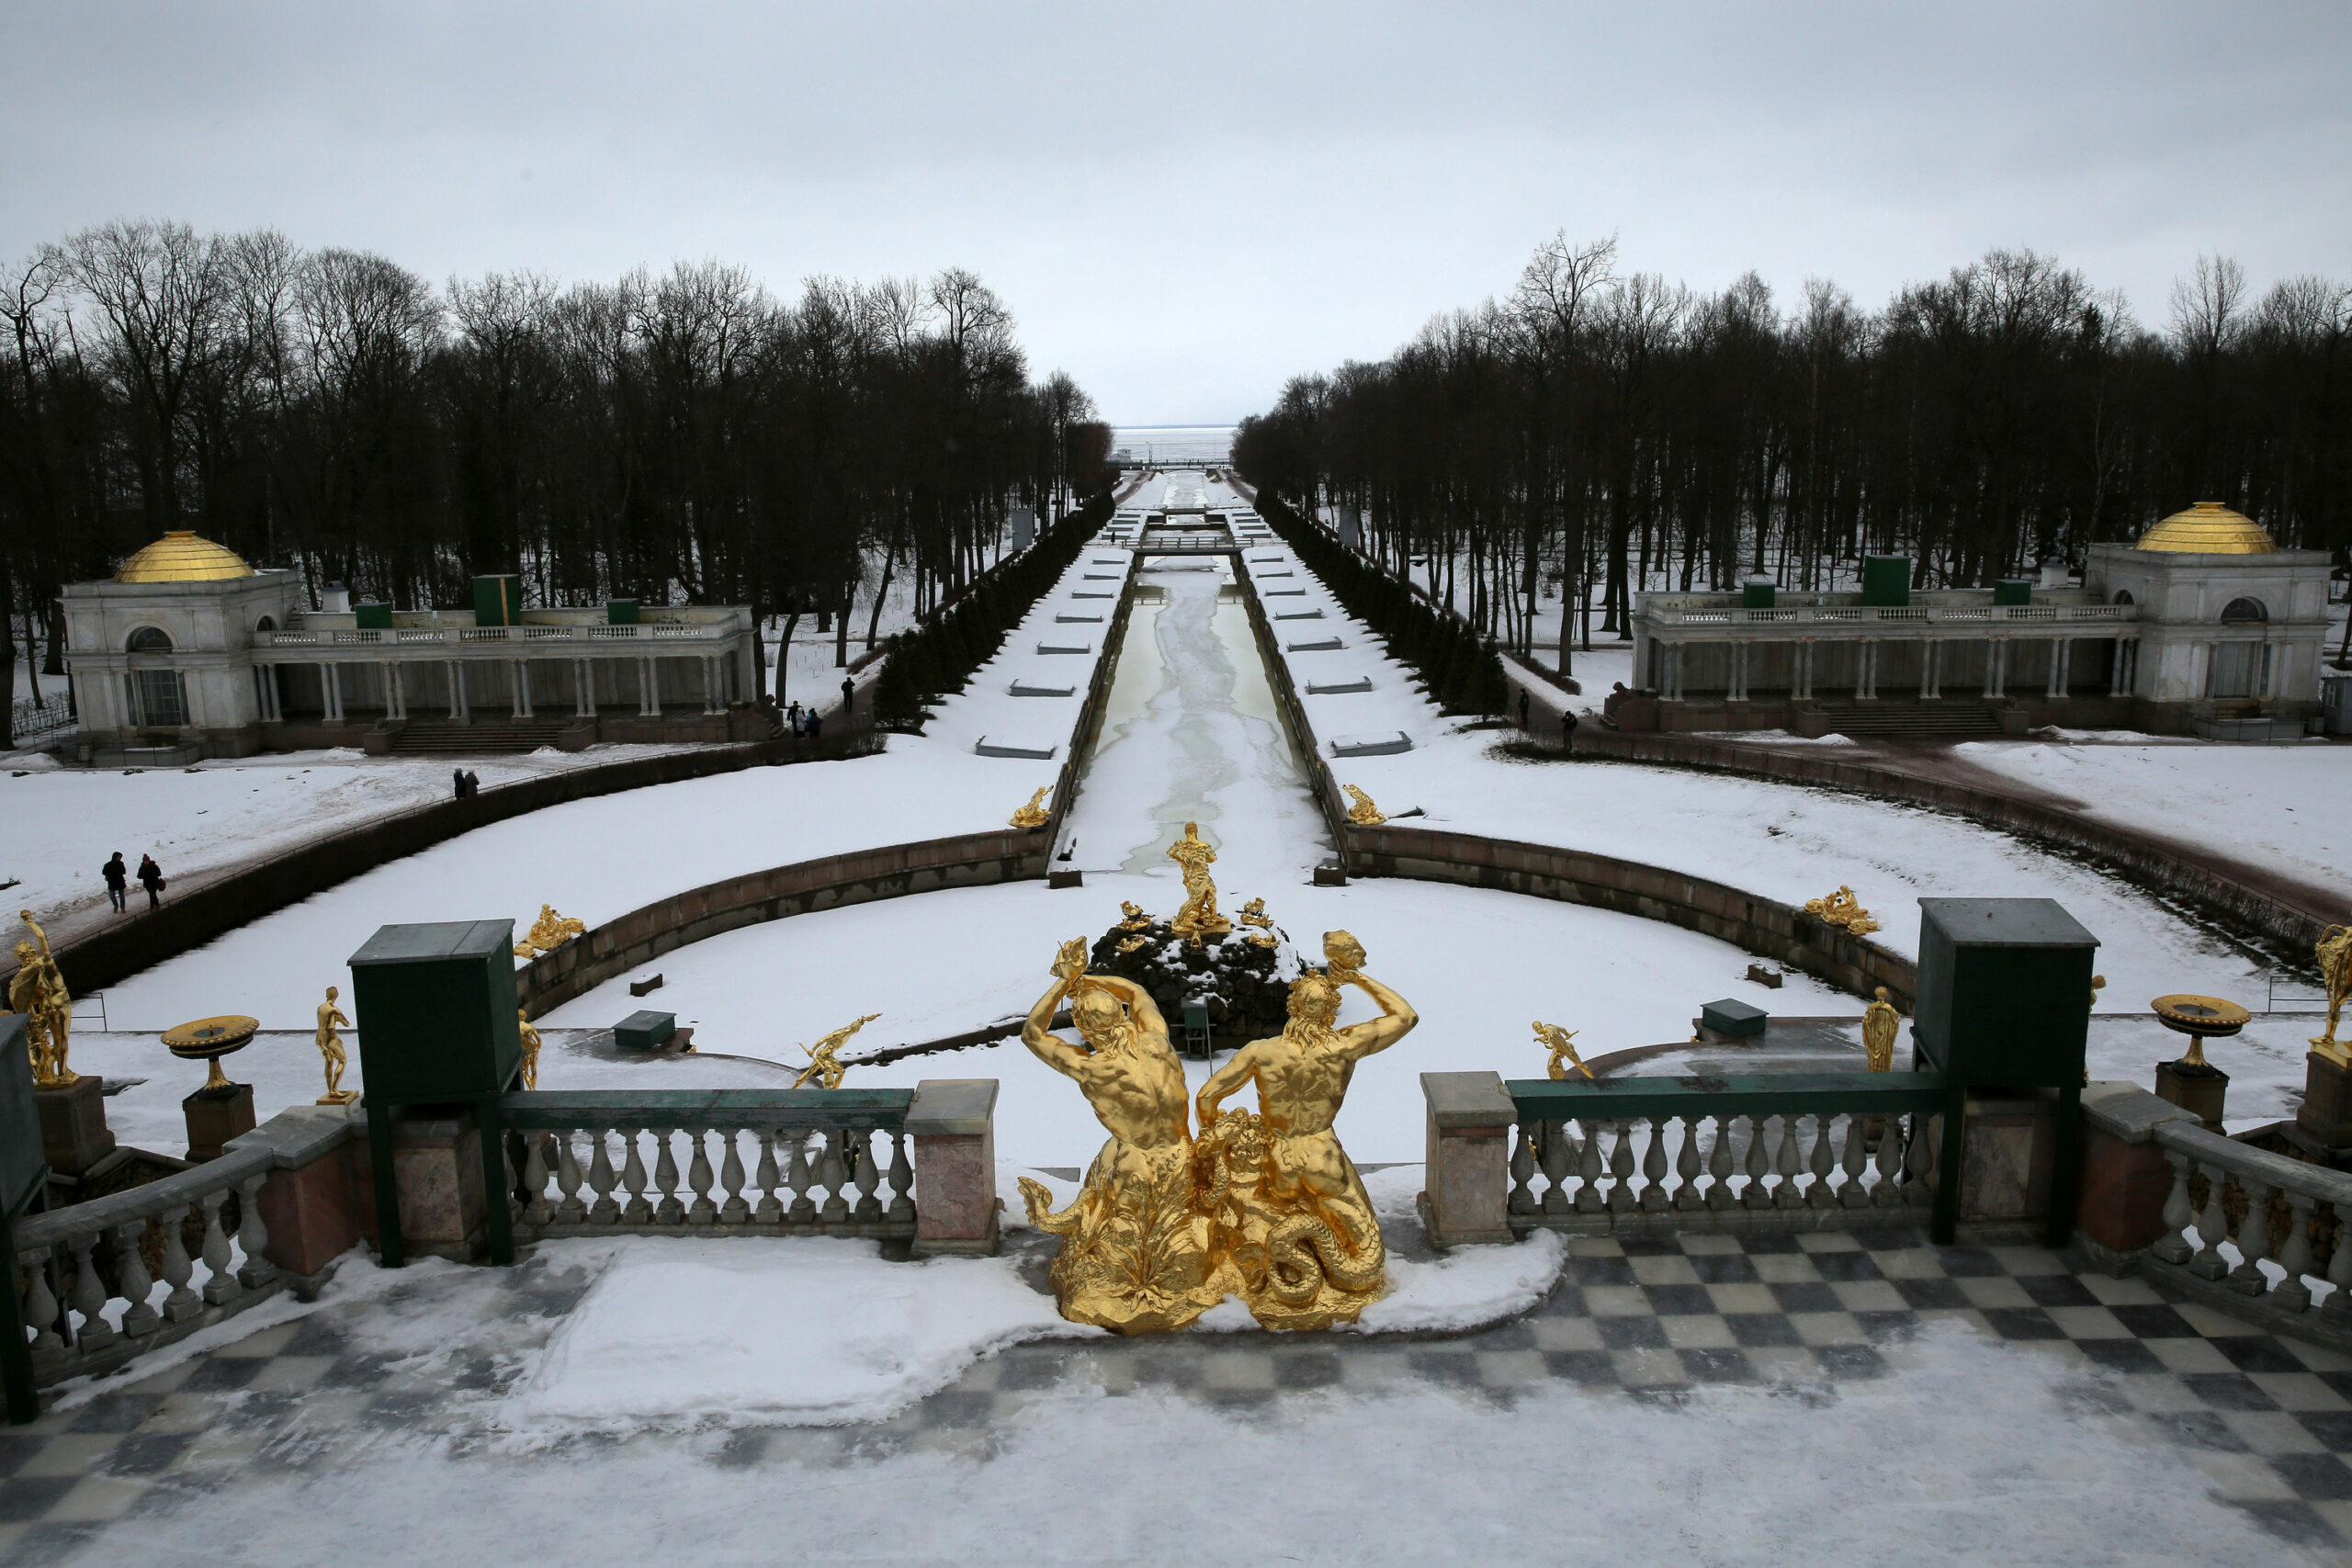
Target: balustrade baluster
{"x":835,"y":1178}
{"x":1558,"y":1161}
{"x":1620,"y":1168}
{"x":41,"y":1307}
{"x":1758,"y":1164}
{"x":1523,"y":1169}
{"x":607,"y":1210}
{"x":537,"y":1210}
{"x":2253,"y":1240}
{"x":2178,"y":1212}
{"x":182,"y":1302}
{"x":1588,"y":1167}
{"x":804,"y":1208}
{"x":1887,"y":1158}
{"x":253,"y":1237}
{"x":703,"y":1211}
{"x":667,"y":1209}
{"x":223,"y":1287}
{"x":1918,"y":1155}
{"x":2295,"y":1254}
{"x":1719,"y":1167}
{"x":868,"y":1179}
{"x":902,"y":1181}
{"x":2213,"y":1226}
{"x":1818,"y":1193}
{"x":2338,"y":1304}
{"x":569,"y":1209}
{"x":735,"y":1209}
{"x":1785,"y":1193}
{"x":138,"y":1318}
{"x":89,"y":1297}
{"x":1854,"y":1162}
{"x":1687,"y":1168}
{"x":1654,"y":1168}
{"x":638,"y":1211}
{"x":768,"y":1210}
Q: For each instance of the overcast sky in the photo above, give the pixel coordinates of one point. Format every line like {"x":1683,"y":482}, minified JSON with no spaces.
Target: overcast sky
{"x":1185,"y":204}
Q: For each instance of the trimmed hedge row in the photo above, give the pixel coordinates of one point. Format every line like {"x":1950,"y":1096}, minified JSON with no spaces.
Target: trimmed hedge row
{"x":937,"y":658}
{"x":1461,"y":671}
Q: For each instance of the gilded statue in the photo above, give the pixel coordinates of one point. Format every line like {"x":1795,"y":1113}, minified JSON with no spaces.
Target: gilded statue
{"x":824,"y":1057}
{"x":1132,"y":944}
{"x":39,"y":991}
{"x":549,"y":932}
{"x":1034,"y":814}
{"x":1253,"y":913}
{"x":1135,"y":1244}
{"x":331,"y":1050}
{"x":1561,"y":1043}
{"x":2333,"y":952}
{"x":530,"y":1048}
{"x":1295,"y":1229}
{"x":1198,"y":917}
{"x":1843,"y":910}
{"x":1135,"y":918}
{"x":1879,"y":1021}
{"x":1364,"y":813}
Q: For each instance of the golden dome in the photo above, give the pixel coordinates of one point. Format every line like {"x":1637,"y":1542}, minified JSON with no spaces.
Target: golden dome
{"x":180,"y":557}
{"x":2209,"y":529}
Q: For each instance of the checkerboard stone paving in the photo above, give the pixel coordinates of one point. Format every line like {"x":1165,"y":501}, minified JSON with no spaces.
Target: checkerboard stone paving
{"x":2268,"y":1419}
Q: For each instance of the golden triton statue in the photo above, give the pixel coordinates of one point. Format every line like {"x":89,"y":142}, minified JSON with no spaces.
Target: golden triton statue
{"x":1561,"y":1043}
{"x":39,"y":991}
{"x":549,"y":932}
{"x":2334,"y":952}
{"x":1293,"y":1222}
{"x":1364,"y":813}
{"x":1879,"y":1021}
{"x":1198,"y":917}
{"x":330,"y":1049}
{"x":530,"y":1048}
{"x":1034,"y":814}
{"x":824,"y":1057}
{"x":1135,"y":1255}
{"x":1843,"y":910}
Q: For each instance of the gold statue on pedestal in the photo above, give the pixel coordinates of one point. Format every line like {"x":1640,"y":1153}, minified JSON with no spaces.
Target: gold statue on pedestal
{"x":549,"y":932}
{"x":1561,"y":1043}
{"x":39,"y":991}
{"x":330,"y":1049}
{"x":530,"y":1048}
{"x":1135,"y":1255}
{"x":1034,"y":814}
{"x":1880,"y":1022}
{"x":1364,"y":813}
{"x":1198,"y":917}
{"x":824,"y":1057}
{"x":2334,"y":954}
{"x":1843,"y":910}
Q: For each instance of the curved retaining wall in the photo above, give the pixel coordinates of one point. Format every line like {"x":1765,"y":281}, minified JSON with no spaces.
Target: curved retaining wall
{"x":612,"y":949}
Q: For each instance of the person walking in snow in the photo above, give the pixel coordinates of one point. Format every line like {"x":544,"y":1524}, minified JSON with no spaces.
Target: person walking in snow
{"x":458,"y":777}
{"x":151,"y":877}
{"x":1567,"y":729}
{"x":849,"y":697}
{"x":816,"y":724}
{"x":473,"y":784}
{"x":792,"y":715}
{"x":1522,"y":707}
{"x":117,"y":877}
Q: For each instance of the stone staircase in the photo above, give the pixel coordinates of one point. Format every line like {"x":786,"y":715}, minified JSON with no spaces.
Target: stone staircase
{"x":1941,"y":720}
{"x":440,"y":737}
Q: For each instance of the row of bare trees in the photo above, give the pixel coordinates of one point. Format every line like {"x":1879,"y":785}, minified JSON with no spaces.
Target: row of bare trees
{"x":1613,"y":432}
{"x":684,"y":436}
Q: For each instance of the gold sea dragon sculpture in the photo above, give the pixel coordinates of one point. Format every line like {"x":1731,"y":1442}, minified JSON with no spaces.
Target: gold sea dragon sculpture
{"x":1135,"y":920}
{"x":2334,"y":954}
{"x":1843,"y":910}
{"x":1034,"y":814}
{"x":824,"y":1057}
{"x":1253,"y":913}
{"x":549,"y":932}
{"x":1364,"y":813}
{"x":1561,"y":1043}
{"x":39,"y":991}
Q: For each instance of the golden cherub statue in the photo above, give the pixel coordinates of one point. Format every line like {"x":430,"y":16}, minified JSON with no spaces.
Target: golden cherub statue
{"x":1253,"y":913}
{"x":1843,"y":910}
{"x":1561,"y":1043}
{"x":1364,"y":813}
{"x":331,"y":1050}
{"x":549,"y":932}
{"x":1135,"y":918}
{"x":39,"y":991}
{"x":2333,"y":952}
{"x":1198,"y":917}
{"x":1132,"y":944}
{"x":530,"y":1048}
{"x":824,"y":1057}
{"x":1034,"y":814}
{"x":1880,"y":1022}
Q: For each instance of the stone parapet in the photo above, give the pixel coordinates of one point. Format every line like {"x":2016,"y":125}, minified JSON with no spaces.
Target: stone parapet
{"x":952,"y":1123}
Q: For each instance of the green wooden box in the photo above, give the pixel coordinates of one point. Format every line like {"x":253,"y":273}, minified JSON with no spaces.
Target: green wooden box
{"x":620,"y":612}
{"x":435,"y":1009}
{"x":1759,"y":594}
{"x":1887,"y":580}
{"x":2005,"y":992}
{"x":1734,"y":1018}
{"x":2013,"y":590}
{"x":22,"y":1159}
{"x":645,"y":1030}
{"x":498,"y":601}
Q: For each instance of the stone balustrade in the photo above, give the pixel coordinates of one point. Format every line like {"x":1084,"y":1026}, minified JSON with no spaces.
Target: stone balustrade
{"x":2257,"y":1233}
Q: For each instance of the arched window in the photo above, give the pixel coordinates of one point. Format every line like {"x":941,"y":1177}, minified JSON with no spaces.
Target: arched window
{"x":2245,"y":610}
{"x":2124,"y":596}
{"x":150,"y":639}
{"x":267,"y":623}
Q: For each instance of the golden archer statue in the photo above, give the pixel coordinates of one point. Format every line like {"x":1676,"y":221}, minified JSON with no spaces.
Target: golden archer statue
{"x":2334,"y":952}
{"x":1034,"y":814}
{"x":1561,"y":1043}
{"x":1294,"y":1222}
{"x":1364,"y":813}
{"x":330,"y":1049}
{"x":1135,"y":1255}
{"x":39,"y":991}
{"x":824,"y":1057}
{"x":1198,"y":917}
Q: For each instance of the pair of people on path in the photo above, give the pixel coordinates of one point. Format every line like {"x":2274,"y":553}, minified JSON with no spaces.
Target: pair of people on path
{"x":1567,"y":721}
{"x":468,"y":784}
{"x":118,"y":877}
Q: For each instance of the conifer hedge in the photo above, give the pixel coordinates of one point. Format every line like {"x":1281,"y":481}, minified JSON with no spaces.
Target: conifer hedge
{"x":1461,"y":671}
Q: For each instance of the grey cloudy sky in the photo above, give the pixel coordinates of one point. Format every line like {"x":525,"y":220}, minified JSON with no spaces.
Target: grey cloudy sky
{"x":1185,"y":204}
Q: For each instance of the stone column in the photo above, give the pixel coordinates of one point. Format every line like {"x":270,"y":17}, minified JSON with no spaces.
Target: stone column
{"x":522,"y":667}
{"x":395,"y":696}
{"x":331,"y":680}
{"x":1866,"y":681}
{"x":1805,"y":671}
{"x":2057,"y":687}
{"x":457,"y":689}
{"x":710,"y":703}
{"x":649,"y":693}
{"x":1467,"y":1175}
{"x":583,"y":689}
{"x":1930,"y":670}
{"x":952,"y":1124}
{"x":1739,"y":693}
{"x":1997,"y":667}
{"x":2117,"y":681}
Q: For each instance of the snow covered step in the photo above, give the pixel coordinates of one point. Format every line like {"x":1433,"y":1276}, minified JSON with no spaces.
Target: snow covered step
{"x":1298,"y":615}
{"x":1284,"y":593}
{"x":1022,"y":747}
{"x":1382,"y":743}
{"x":1337,"y":688}
{"x":1026,"y":689}
{"x":1327,"y":645}
{"x":1065,"y":648}
{"x":1068,"y":619}
{"x":1262,"y":574}
{"x":1107,"y":560}
{"x":1083,"y":594}
{"x":1102,"y":577}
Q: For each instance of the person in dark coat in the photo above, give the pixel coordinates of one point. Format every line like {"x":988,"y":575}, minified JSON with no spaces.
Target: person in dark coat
{"x":473,"y":784}
{"x":849,"y":697}
{"x":117,"y":877}
{"x":1567,"y":729}
{"x":1522,"y":707}
{"x":816,"y":724}
{"x":151,"y":877}
{"x":458,"y":777}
